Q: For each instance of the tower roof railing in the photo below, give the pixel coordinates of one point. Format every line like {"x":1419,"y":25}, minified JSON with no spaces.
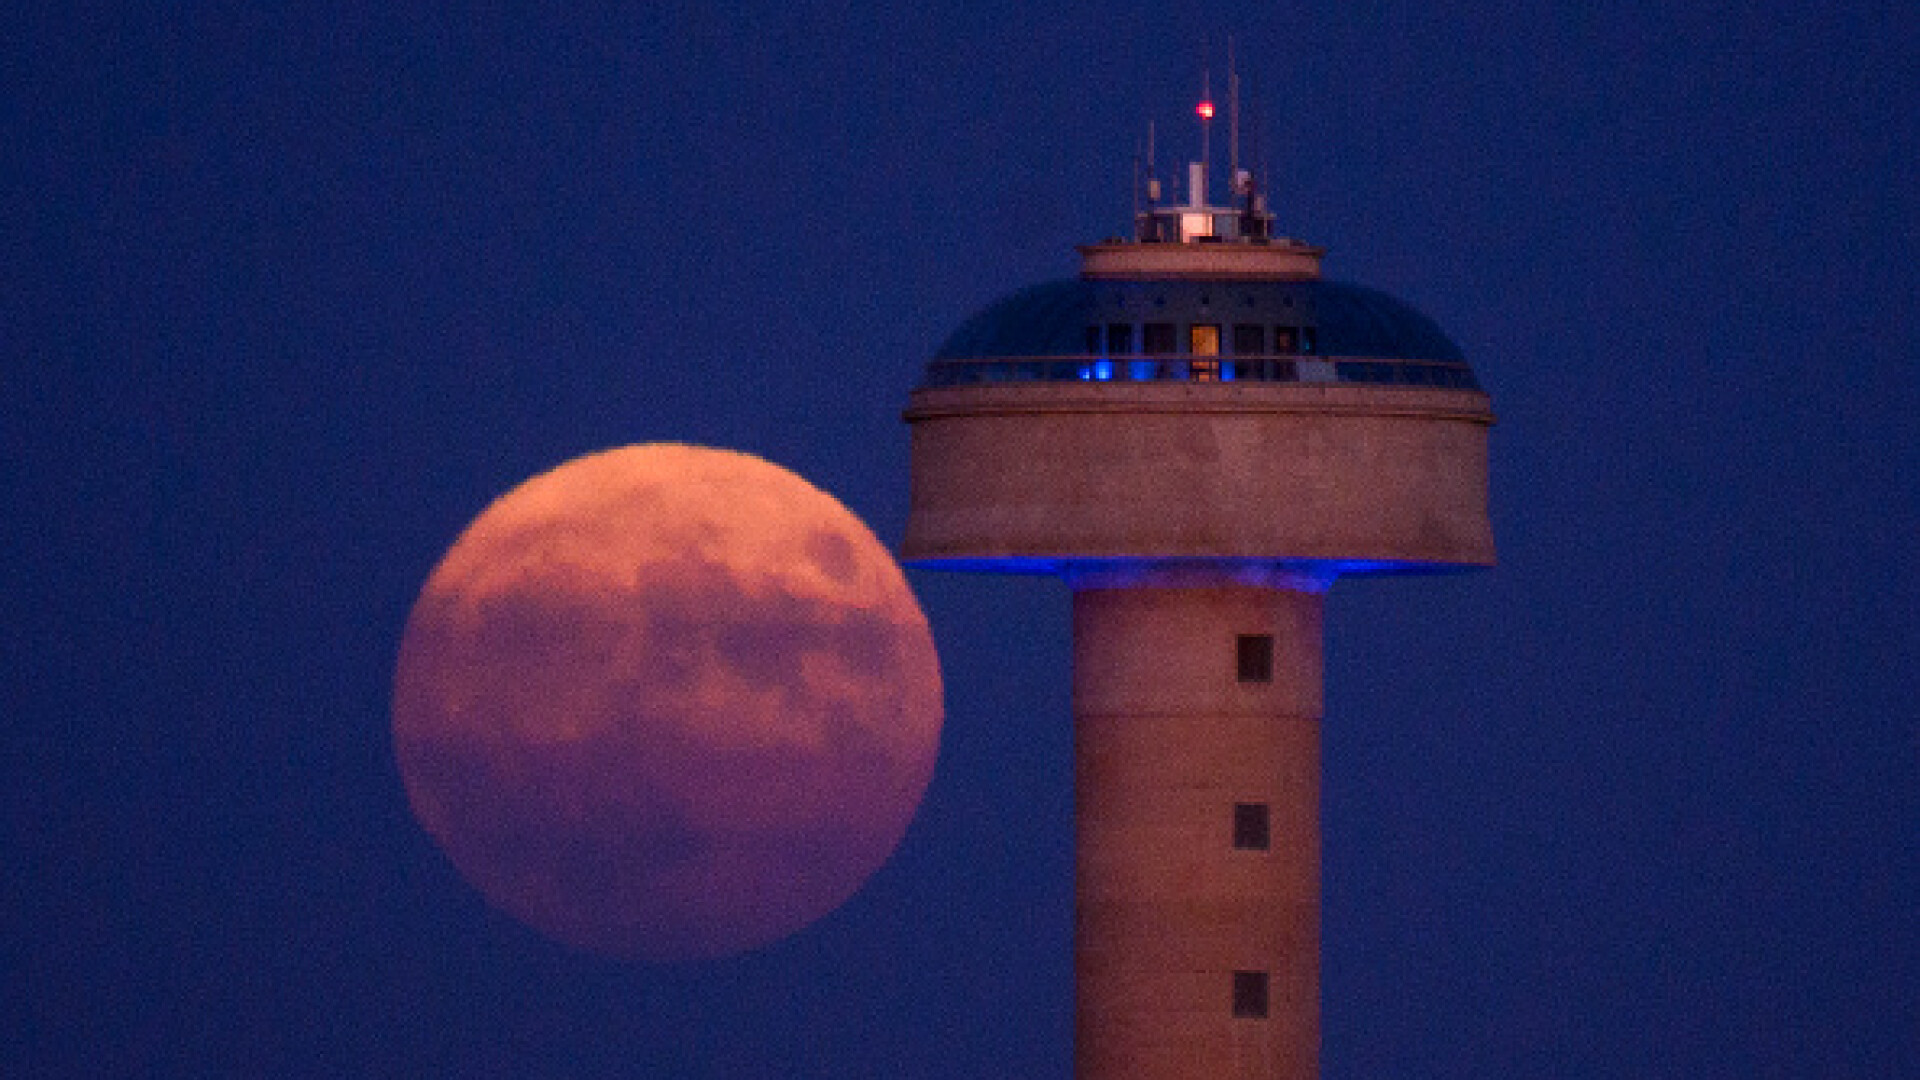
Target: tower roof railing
{"x":1128,"y":368}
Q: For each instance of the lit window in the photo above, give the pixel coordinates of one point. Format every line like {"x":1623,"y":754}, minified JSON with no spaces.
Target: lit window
{"x":1251,"y":828}
{"x":1254,"y":656}
{"x":1286,"y":340}
{"x":1250,"y":995}
{"x":1203,"y":339}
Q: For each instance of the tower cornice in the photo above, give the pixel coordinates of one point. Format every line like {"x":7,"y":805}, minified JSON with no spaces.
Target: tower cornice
{"x":1281,"y":260}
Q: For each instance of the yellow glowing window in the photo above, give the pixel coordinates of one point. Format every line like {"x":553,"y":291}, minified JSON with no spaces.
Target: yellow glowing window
{"x":1204,"y":340}
{"x":1195,"y":225}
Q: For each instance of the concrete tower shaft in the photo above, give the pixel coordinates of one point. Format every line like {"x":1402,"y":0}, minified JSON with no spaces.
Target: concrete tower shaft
{"x":1197,"y":869}
{"x":1199,"y":434}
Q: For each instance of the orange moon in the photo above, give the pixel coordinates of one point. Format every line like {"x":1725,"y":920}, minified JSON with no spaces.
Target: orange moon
{"x":666,"y":701}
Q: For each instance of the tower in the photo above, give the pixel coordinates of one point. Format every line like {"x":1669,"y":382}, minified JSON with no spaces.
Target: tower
{"x":1199,"y":434}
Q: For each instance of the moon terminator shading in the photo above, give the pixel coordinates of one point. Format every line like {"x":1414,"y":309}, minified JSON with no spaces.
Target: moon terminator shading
{"x":667,"y":701}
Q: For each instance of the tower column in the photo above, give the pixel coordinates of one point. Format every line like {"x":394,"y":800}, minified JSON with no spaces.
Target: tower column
{"x":1196,"y":708}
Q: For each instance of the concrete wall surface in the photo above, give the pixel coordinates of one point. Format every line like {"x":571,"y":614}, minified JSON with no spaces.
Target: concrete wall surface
{"x":1167,"y":740}
{"x":1334,"y":473}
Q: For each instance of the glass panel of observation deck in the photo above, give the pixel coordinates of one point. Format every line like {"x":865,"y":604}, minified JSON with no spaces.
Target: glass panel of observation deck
{"x":1249,"y":339}
{"x":1158,"y":338}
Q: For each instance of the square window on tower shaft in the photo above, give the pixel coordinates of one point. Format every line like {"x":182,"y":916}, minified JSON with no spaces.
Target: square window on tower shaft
{"x":1254,"y":656}
{"x":1251,"y":828}
{"x":1250,"y":995}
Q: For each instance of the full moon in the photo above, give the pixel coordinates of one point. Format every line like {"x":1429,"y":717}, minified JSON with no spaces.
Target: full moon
{"x":666,"y":701}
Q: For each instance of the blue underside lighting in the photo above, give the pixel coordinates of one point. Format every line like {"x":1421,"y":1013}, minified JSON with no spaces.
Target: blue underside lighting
{"x":1327,"y":568}
{"x":1385,"y":566}
{"x":1098,"y":371}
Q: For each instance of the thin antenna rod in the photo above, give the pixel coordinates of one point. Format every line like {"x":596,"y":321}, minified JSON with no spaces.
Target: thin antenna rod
{"x":1206,"y":127}
{"x":1136,"y":186}
{"x":1233,"y":116}
{"x":1266,"y":165}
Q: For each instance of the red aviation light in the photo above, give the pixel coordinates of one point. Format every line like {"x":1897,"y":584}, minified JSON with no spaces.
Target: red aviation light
{"x":1205,"y":109}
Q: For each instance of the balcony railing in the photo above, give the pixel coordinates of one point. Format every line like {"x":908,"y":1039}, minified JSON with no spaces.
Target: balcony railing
{"x":1185,"y":367}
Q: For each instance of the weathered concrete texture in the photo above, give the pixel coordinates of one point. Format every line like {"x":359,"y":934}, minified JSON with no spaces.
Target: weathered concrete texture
{"x":1167,"y":740}
{"x":1072,"y":471}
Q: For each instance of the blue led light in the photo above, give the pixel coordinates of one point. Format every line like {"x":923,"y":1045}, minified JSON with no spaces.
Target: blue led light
{"x":1325,"y":569}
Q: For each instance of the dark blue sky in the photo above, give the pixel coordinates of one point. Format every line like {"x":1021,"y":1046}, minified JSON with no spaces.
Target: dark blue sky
{"x":285,"y":300}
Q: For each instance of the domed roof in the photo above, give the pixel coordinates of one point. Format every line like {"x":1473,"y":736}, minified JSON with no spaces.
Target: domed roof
{"x":1342,"y":319}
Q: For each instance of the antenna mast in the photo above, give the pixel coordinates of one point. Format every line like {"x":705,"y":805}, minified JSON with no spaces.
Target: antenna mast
{"x":1152,"y":196}
{"x":1233,"y":115}
{"x":1136,"y":181}
{"x":1153,"y":173}
{"x":1206,"y":131}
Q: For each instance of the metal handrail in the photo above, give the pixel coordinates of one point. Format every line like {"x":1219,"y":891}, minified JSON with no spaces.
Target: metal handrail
{"x":1186,"y":367}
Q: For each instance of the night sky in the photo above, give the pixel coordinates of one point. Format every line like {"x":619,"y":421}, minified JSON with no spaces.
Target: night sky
{"x":286,"y":300}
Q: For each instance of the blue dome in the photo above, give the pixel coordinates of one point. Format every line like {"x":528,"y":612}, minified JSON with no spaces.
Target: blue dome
{"x":1334,"y":318}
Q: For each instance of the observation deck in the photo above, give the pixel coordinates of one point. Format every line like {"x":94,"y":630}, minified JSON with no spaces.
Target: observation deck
{"x":1188,"y":329}
{"x":1199,"y":392}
